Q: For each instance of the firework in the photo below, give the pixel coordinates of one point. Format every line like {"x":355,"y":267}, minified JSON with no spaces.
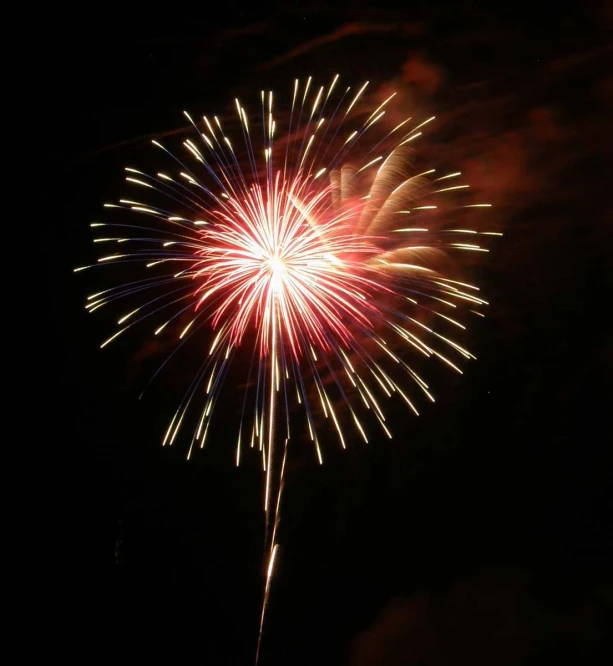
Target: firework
{"x":306,"y":250}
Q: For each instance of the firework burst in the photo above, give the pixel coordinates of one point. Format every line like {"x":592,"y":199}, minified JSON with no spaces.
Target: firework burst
{"x":316,"y":256}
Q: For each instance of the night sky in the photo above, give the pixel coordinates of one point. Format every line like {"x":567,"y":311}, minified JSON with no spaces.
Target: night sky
{"x":481,"y":534}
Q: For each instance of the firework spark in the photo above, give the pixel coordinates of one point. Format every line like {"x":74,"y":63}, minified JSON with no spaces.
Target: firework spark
{"x":317,"y":254}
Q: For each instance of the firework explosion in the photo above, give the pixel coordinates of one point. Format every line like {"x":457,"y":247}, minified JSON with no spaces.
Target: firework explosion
{"x":315,"y":256}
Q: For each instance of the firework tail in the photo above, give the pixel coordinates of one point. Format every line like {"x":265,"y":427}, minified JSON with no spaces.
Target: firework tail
{"x":271,"y":546}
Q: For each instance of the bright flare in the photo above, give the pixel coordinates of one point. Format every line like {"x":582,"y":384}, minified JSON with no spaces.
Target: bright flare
{"x":312,"y":262}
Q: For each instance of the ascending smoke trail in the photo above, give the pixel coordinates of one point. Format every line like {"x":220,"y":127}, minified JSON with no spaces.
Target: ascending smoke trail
{"x":271,"y":549}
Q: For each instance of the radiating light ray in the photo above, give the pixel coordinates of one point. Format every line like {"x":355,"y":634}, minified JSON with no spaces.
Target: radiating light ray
{"x":315,"y":260}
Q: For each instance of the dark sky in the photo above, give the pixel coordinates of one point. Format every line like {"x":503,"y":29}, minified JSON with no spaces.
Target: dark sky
{"x":482,"y":533}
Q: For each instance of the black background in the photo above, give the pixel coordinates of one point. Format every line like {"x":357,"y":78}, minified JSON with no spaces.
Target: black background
{"x":482,"y":532}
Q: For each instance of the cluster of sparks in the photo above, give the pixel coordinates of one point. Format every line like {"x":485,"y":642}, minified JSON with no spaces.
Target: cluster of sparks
{"x":314,"y":256}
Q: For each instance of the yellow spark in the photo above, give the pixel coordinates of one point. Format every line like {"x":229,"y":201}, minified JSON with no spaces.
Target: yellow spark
{"x":359,"y":425}
{"x":414,"y":136}
{"x":161,"y":328}
{"x":272,"y":562}
{"x":126,"y":317}
{"x":351,"y":136}
{"x":450,"y":175}
{"x":106,"y":342}
{"x":142,"y":209}
{"x":370,"y":163}
{"x":448,"y":189}
{"x":381,"y":106}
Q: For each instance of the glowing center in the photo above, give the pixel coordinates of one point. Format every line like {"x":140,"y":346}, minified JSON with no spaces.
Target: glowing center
{"x":277,"y":271}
